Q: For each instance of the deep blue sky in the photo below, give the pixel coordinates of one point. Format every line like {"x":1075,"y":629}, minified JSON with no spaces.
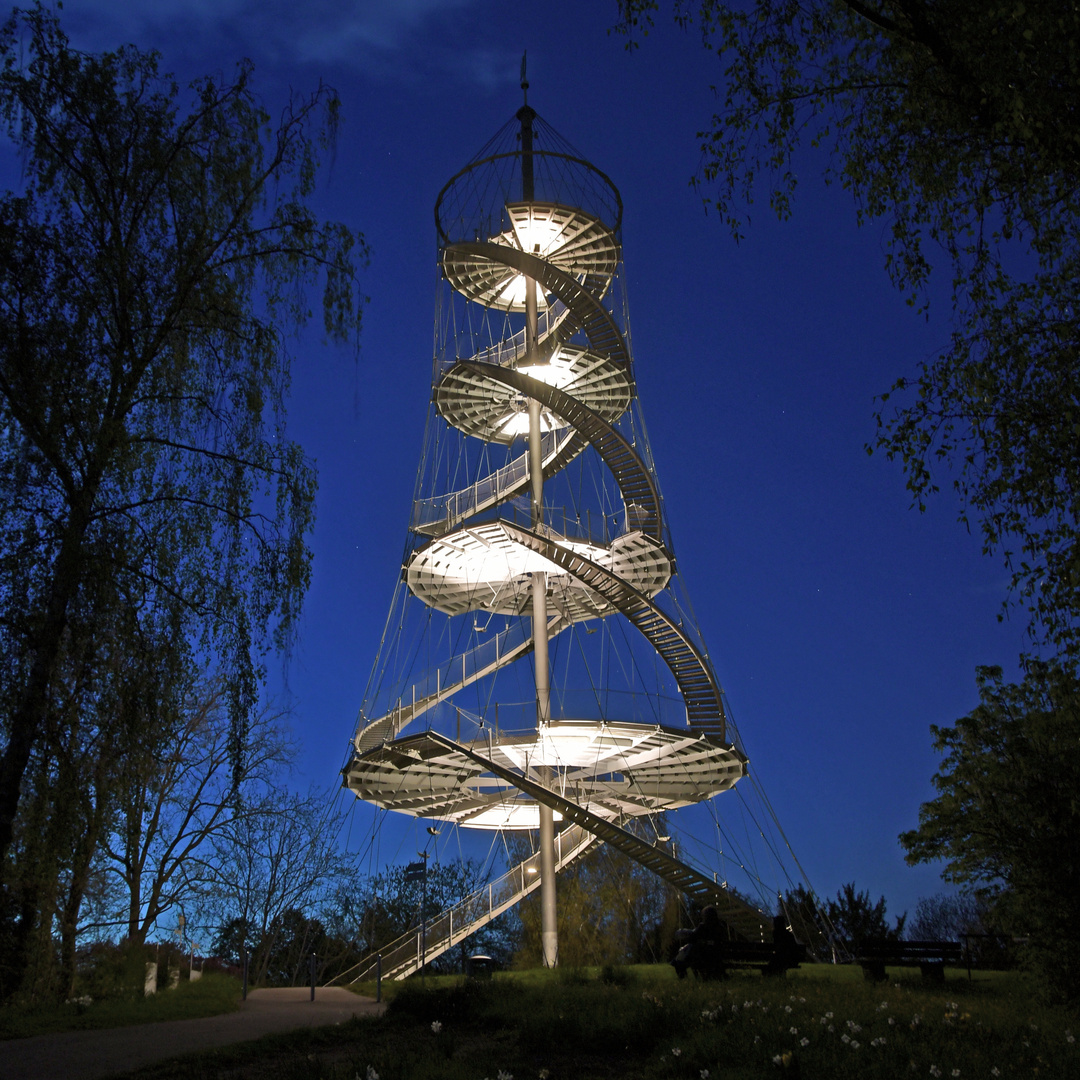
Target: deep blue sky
{"x":842,"y":622}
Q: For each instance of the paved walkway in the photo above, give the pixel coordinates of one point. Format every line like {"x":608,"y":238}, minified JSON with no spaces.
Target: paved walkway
{"x":87,"y":1055}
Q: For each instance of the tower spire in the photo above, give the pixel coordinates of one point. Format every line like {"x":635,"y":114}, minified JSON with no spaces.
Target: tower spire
{"x":525,"y":115}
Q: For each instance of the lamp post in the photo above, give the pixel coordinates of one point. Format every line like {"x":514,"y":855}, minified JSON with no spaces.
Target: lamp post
{"x":417,"y":871}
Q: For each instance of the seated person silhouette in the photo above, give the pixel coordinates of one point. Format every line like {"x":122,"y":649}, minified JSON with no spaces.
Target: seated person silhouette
{"x":701,"y":950}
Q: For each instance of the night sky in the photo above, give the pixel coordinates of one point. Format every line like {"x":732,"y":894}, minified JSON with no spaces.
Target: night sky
{"x":842,"y":622}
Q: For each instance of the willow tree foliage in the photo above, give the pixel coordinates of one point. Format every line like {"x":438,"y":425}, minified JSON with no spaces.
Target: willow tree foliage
{"x":1007,"y":813}
{"x":955,"y":123}
{"x":154,"y":263}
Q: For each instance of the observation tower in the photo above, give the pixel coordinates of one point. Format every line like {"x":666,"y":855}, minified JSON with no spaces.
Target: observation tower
{"x":541,"y":667}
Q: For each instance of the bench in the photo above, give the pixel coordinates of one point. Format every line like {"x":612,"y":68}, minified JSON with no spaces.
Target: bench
{"x":714,"y":959}
{"x":930,"y":957}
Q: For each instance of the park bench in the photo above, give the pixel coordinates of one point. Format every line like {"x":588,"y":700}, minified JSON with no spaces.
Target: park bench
{"x":930,"y":957}
{"x":714,"y":959}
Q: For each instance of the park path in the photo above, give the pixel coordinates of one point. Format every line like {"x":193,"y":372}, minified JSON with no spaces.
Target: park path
{"x":88,"y":1055}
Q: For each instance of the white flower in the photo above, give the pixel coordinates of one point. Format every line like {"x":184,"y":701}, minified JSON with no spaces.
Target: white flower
{"x":371,"y":1074}
{"x":804,"y":1041}
{"x":995,"y":1071}
{"x":675,"y":1052}
{"x":803,"y":1000}
{"x":854,"y":1045}
{"x":544,"y":1074}
{"x":823,"y":1021}
{"x":828,"y":1016}
{"x":956,"y":1072}
{"x":436,"y":1026}
{"x":793,"y":1031}
{"x":831,"y":1029}
{"x":935,"y":1071}
{"x":787,"y":1008}
{"x":704,"y":1074}
{"x":845,"y":1038}
{"x":777,"y":1059}
{"x":505,"y":1075}
{"x":1070,"y":1037}
{"x":757,"y":1039}
{"x":891,"y":1021}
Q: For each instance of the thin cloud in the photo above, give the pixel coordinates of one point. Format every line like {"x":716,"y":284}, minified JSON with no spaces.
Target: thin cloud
{"x":353,"y":33}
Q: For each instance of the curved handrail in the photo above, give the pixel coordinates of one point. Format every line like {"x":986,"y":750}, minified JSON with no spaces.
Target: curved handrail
{"x":385,"y":728}
{"x":704,"y":700}
{"x":497,"y":487}
{"x":635,"y":481}
{"x":585,"y":309}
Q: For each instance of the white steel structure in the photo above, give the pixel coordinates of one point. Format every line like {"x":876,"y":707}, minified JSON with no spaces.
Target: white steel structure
{"x":541,"y":661}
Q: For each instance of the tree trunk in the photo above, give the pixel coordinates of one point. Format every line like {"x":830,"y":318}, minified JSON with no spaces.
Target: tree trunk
{"x":28,"y":717}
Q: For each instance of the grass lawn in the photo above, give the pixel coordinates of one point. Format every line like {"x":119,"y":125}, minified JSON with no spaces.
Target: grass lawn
{"x":209,"y":996}
{"x":820,"y":1022}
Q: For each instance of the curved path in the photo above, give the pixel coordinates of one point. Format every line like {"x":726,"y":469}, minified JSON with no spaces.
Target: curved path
{"x":89,"y":1055}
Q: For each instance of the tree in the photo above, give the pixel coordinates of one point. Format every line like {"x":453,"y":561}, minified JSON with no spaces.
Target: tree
{"x":955,"y":123}
{"x":611,"y":910}
{"x":947,"y":917}
{"x":68,"y":809}
{"x":151,"y":269}
{"x":178,"y":795}
{"x":856,"y":918}
{"x":271,"y":869}
{"x":1007,"y":813}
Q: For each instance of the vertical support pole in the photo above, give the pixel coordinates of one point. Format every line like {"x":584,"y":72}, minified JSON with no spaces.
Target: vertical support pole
{"x":548,"y":930}
{"x":423,"y":928}
{"x":312,"y":964}
{"x":244,"y":964}
{"x":378,"y":977}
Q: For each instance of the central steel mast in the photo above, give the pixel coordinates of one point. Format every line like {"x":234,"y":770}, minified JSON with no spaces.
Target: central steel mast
{"x":549,"y":934}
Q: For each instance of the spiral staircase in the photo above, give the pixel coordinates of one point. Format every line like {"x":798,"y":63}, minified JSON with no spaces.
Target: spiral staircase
{"x":538,"y":531}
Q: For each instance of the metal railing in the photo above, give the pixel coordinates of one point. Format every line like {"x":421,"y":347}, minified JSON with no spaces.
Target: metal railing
{"x":402,"y":957}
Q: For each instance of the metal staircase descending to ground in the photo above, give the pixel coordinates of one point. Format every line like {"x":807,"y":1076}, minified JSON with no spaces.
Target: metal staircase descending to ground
{"x":404,"y":956}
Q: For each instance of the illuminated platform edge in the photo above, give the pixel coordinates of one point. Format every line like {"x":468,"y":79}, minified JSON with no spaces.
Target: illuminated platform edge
{"x":615,"y":769}
{"x":485,"y":567}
